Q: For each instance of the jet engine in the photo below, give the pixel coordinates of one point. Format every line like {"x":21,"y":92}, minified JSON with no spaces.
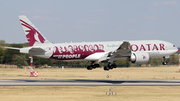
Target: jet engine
{"x":139,"y":57}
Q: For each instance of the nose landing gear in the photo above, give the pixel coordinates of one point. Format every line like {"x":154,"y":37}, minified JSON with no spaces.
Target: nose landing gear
{"x":164,"y":62}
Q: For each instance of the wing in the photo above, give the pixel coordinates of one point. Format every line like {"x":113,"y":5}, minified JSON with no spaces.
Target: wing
{"x":124,"y":51}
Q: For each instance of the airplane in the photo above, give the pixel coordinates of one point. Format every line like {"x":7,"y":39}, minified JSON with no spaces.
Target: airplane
{"x":139,"y":51}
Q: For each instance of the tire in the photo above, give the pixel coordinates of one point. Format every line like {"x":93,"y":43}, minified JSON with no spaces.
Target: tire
{"x":164,"y":63}
{"x":89,"y":67}
{"x":114,"y":65}
{"x":106,"y":68}
{"x":93,"y":66}
{"x":110,"y":66}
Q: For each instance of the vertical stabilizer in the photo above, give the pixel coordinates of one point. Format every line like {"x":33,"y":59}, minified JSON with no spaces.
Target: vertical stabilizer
{"x":33,"y":35}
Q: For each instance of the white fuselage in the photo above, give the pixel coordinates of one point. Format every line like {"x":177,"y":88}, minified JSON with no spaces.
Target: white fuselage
{"x":94,"y":50}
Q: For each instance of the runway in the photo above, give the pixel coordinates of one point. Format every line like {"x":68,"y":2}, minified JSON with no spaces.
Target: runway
{"x":86,"y":82}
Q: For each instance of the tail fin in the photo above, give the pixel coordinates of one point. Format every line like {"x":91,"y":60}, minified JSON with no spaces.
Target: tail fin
{"x":33,"y":35}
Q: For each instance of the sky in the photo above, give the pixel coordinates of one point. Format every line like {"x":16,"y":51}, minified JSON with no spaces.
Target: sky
{"x":92,"y":20}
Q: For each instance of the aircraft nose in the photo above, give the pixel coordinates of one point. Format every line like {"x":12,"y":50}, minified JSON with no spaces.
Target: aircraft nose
{"x":176,"y":49}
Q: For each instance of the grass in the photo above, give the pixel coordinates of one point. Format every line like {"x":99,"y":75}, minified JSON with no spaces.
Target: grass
{"x":124,"y":93}
{"x":140,"y":73}
{"x":95,"y":93}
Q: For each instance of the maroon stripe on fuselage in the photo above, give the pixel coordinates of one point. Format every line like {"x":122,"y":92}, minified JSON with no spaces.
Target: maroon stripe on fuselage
{"x":75,"y":52}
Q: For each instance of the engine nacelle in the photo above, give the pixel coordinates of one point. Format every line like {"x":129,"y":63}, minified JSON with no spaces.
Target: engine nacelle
{"x":139,"y":57}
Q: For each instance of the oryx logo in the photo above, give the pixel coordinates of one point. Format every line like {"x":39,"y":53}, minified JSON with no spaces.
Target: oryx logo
{"x":33,"y":35}
{"x":144,"y":56}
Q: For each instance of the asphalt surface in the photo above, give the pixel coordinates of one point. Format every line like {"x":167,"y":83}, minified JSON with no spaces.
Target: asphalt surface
{"x":86,"y":82}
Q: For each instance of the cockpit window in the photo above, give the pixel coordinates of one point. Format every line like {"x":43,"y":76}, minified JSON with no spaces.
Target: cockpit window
{"x":174,"y":46}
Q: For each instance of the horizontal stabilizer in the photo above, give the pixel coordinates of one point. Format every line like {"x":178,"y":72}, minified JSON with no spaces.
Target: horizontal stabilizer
{"x":28,"y":49}
{"x":13,"y":48}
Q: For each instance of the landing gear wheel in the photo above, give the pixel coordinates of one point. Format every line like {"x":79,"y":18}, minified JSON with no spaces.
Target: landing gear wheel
{"x":89,"y":67}
{"x":164,"y":63}
{"x":106,"y":68}
{"x":93,"y":66}
{"x":114,"y":65}
{"x":110,"y":66}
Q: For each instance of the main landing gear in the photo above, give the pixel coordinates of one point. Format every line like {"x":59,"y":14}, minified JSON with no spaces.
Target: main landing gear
{"x":110,"y":66}
{"x":92,"y":66}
